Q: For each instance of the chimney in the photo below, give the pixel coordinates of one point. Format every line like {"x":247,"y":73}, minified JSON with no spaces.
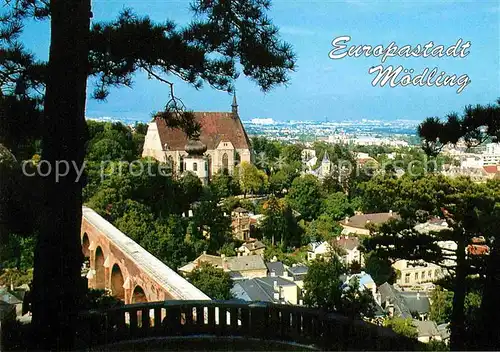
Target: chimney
{"x":391,"y":311}
{"x":390,"y":213}
{"x":418,"y":295}
{"x":346,"y":219}
{"x":276,"y":288}
{"x":223,"y":256}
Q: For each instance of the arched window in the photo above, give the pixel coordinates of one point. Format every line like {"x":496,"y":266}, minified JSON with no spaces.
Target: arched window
{"x":85,"y":246}
{"x":117,"y":282}
{"x":225,"y":161}
{"x":138,"y":295}
{"x":99,"y":269}
{"x":195,"y":167}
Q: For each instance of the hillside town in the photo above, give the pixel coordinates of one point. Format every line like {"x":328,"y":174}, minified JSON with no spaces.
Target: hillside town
{"x":246,"y":190}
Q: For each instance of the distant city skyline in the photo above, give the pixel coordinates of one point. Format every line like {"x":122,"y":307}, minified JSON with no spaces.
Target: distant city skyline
{"x":322,"y":88}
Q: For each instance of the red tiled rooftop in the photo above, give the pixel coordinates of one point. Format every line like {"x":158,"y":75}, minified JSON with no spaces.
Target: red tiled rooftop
{"x":215,"y":127}
{"x":491,"y":169}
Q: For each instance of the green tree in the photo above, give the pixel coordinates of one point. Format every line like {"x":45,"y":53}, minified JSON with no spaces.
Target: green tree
{"x":292,"y":153}
{"x":214,"y":282}
{"x":168,"y":242}
{"x":278,"y":181}
{"x":337,"y":206}
{"x":305,"y":196}
{"x":252,"y":180}
{"x":324,"y":289}
{"x":402,"y":326}
{"x":380,"y":269}
{"x":105,"y":149}
{"x":441,"y":305}
{"x":468,"y":208}
{"x":279,"y":224}
{"x":324,"y":228}
{"x":210,"y":221}
{"x":222,"y":185}
{"x":137,"y":220}
{"x":475,"y":126}
{"x":192,"y":188}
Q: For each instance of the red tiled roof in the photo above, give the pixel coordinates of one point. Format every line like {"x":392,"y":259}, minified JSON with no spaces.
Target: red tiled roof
{"x":215,"y":127}
{"x":491,"y":169}
{"x":478,"y":249}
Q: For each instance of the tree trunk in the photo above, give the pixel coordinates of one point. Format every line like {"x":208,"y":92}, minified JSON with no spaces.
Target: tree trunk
{"x":490,"y":305}
{"x":58,"y":287}
{"x":457,"y":328}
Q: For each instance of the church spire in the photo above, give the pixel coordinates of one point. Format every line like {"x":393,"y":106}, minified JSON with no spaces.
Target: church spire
{"x":235,"y":104}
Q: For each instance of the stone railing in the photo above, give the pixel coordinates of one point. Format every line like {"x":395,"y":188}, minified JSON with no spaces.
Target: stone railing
{"x":272,"y":322}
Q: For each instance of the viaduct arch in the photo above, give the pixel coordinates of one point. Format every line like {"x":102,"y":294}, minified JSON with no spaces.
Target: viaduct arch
{"x":131,"y":273}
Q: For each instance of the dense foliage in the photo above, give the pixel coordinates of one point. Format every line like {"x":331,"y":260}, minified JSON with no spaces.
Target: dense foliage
{"x":325,"y":289}
{"x":212,"y":281}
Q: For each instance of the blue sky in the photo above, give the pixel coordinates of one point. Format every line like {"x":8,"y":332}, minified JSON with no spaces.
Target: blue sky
{"x":321,"y":87}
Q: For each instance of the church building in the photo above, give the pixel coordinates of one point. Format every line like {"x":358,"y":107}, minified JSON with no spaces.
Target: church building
{"x":221,"y":145}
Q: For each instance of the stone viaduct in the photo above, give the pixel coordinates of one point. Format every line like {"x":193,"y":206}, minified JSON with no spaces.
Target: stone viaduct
{"x":131,"y":273}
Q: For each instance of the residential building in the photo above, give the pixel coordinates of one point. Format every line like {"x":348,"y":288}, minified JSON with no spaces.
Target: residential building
{"x":365,"y":282}
{"x":297,"y":272}
{"x":427,"y":331}
{"x":275,"y":268}
{"x":222,"y":133}
{"x":350,"y":247}
{"x":267,"y":289}
{"x":403,"y":304}
{"x":413,"y":273}
{"x":253,"y":247}
{"x":357,"y":224}
{"x":242,"y":266}
{"x":444,"y":331}
{"x":319,"y":250}
{"x":11,"y":302}
{"x":240,"y":223}
{"x":364,"y":160}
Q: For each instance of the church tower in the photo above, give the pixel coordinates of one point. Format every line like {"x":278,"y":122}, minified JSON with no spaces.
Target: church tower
{"x":234,"y":105}
{"x":195,"y":161}
{"x":326,"y":166}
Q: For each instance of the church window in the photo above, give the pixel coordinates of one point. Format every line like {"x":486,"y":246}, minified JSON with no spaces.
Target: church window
{"x":225,"y":161}
{"x":195,"y":167}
